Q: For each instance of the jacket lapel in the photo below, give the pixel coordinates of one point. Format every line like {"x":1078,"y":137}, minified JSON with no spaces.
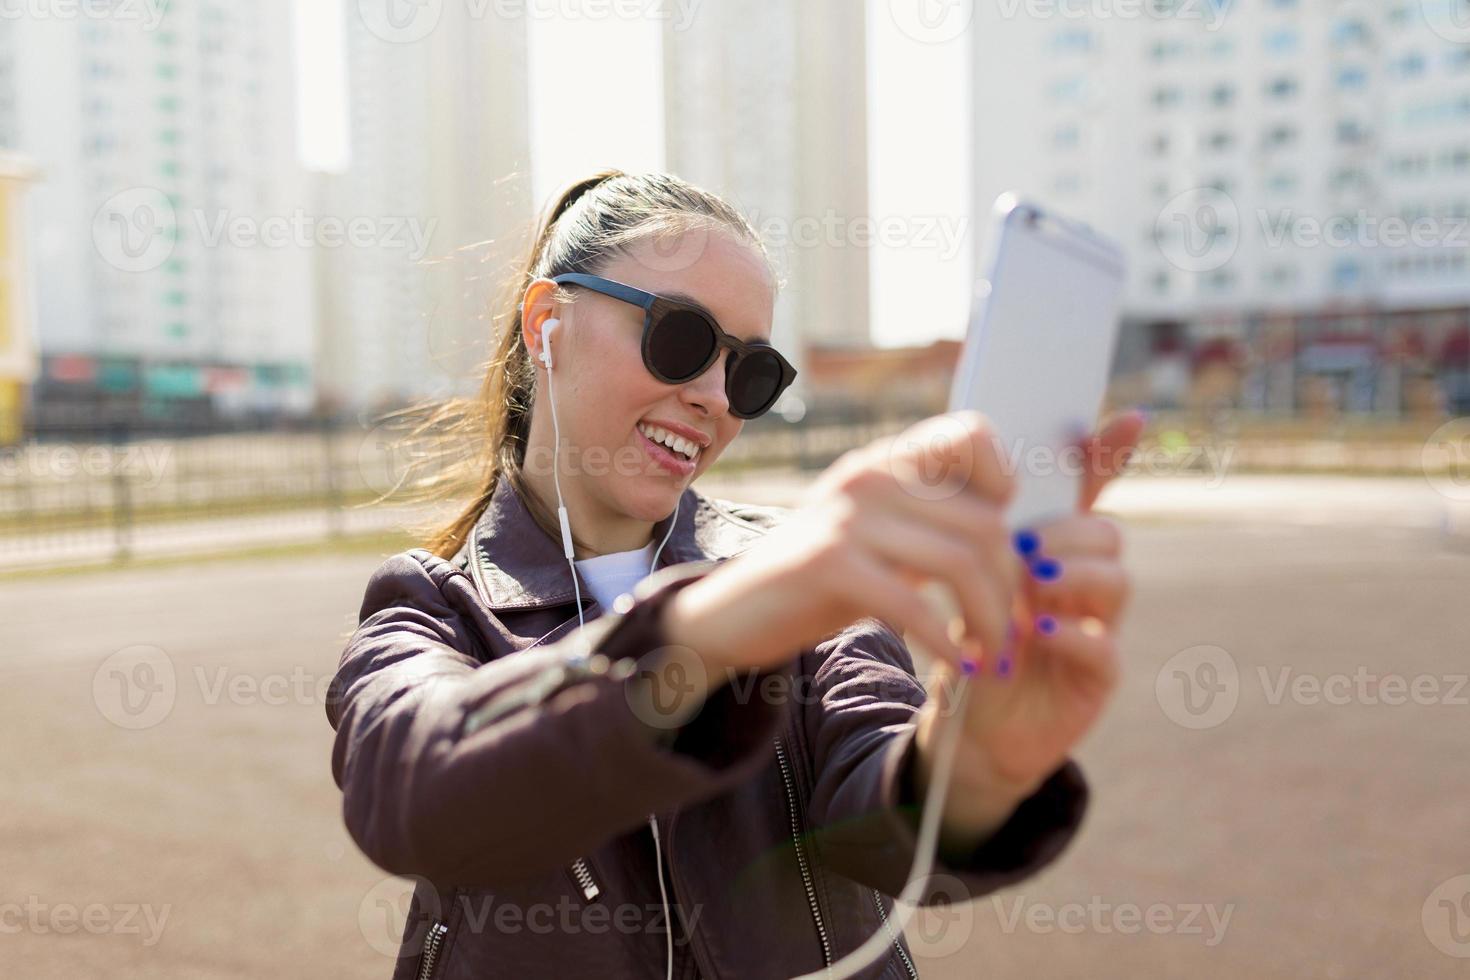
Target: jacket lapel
{"x":517,"y":565}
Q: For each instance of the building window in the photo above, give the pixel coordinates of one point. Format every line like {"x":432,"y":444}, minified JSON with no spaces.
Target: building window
{"x":1351,"y":132}
{"x":1282,"y":41}
{"x":1282,"y":183}
{"x":1220,"y":141}
{"x":1281,"y":88}
{"x":1222,"y":95}
{"x":1165,"y":49}
{"x":1221,"y":281}
{"x":1070,"y":89}
{"x":1281,"y":276}
{"x":1066,"y":137}
{"x":1411,"y":65}
{"x":1166,"y":96}
{"x":1352,"y":77}
{"x":1072,"y":39}
{"x":1279,"y":137}
{"x":1346,"y":273}
{"x":1349,"y":32}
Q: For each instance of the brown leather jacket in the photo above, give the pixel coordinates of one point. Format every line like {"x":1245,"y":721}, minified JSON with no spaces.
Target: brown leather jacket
{"x":513,"y":781}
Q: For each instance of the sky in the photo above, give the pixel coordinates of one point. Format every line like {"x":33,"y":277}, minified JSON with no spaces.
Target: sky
{"x":919,"y":160}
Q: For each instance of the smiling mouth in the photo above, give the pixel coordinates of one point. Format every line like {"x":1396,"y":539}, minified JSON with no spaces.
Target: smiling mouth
{"x":677,"y":445}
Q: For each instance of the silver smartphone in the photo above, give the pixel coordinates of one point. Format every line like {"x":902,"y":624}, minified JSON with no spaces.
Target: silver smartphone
{"x":1039,"y":348}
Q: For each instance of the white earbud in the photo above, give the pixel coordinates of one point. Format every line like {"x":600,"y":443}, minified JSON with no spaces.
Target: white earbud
{"x":547,"y":330}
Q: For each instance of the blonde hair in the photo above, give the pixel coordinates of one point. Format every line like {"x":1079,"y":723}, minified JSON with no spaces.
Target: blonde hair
{"x":473,"y":442}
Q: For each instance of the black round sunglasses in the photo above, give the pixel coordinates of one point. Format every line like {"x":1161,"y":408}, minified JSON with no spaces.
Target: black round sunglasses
{"x":681,"y":341}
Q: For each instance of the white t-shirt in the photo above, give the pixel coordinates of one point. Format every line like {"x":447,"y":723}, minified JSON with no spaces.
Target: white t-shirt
{"x":609,"y":576}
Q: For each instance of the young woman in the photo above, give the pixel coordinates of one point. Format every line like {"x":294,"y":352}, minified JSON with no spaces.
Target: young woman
{"x":737,"y":746}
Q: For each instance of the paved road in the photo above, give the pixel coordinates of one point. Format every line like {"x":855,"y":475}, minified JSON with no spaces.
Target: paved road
{"x":1278,"y":818}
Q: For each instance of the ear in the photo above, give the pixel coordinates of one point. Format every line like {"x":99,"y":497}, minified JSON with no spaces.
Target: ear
{"x":538,"y":305}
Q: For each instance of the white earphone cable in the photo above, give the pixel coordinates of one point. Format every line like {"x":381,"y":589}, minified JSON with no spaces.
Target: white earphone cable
{"x":906,"y":902}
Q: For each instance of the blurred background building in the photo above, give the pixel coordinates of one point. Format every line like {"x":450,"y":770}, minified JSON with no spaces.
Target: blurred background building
{"x":795,"y":76}
{"x":1264,"y":162}
{"x":192,"y":272}
{"x":153,"y":143}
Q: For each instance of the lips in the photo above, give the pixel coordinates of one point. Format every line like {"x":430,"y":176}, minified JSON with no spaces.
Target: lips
{"x":667,"y":459}
{"x":686,"y":449}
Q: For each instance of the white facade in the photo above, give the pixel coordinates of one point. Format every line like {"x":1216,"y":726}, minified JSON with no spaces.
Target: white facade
{"x":439,"y":149}
{"x":1268,"y":156}
{"x":169,"y":149}
{"x":765,"y":104}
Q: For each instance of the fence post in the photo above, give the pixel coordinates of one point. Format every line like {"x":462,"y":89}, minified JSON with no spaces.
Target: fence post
{"x":329,"y":469}
{"x":122,"y":498}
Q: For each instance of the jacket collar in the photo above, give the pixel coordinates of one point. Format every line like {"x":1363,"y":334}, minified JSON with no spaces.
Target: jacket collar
{"x":519,"y":566}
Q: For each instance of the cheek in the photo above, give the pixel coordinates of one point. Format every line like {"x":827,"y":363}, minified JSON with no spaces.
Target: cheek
{"x":612,"y":382}
{"x":729,"y":428}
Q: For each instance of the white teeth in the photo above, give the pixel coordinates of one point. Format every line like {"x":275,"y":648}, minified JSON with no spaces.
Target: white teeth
{"x":678,"y":444}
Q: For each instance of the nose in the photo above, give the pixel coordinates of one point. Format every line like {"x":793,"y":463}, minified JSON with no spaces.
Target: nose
{"x":706,"y":393}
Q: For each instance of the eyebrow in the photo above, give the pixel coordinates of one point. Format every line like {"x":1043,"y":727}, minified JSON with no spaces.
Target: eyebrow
{"x":688,"y":300}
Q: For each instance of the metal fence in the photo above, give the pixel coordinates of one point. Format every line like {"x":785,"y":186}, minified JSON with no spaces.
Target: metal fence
{"x":87,"y":497}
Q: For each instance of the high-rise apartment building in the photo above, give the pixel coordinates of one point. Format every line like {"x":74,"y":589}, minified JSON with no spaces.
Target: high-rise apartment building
{"x":1289,"y":175}
{"x":766,"y":104}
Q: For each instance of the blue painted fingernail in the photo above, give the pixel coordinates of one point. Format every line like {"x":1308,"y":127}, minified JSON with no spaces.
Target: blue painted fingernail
{"x":1046,"y":624}
{"x":1003,"y":667}
{"x":969,"y":665}
{"x":1046,"y":569}
{"x":1027,"y":542}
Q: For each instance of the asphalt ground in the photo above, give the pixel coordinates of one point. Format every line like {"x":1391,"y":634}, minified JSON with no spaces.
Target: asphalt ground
{"x":1281,"y":787}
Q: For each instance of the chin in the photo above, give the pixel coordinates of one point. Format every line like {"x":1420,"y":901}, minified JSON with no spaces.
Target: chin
{"x":653,"y":503}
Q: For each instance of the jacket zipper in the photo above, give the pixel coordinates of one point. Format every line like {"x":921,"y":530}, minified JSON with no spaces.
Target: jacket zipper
{"x":806,"y":874}
{"x":432,"y":943}
{"x":583,"y":876}
{"x":908,"y":964}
